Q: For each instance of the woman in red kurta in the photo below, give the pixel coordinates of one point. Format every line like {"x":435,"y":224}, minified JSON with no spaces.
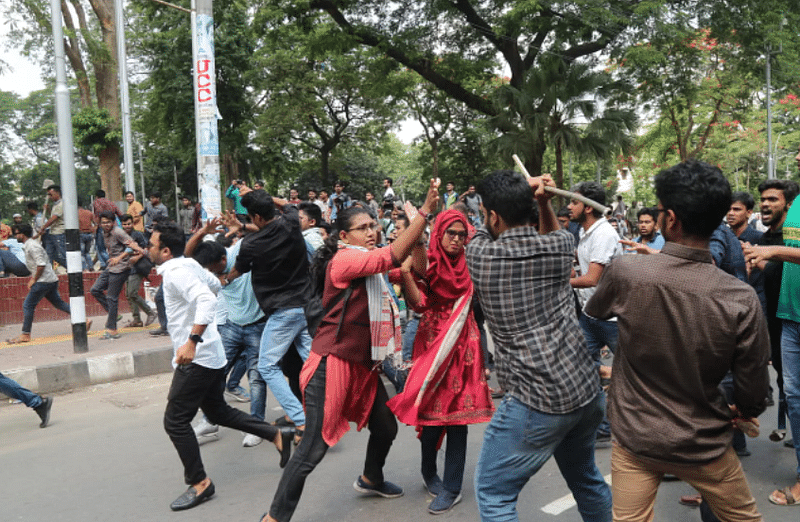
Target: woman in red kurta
{"x":446,"y":387}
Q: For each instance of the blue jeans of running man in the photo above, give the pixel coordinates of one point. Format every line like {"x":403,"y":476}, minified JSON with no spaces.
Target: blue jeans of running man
{"x":599,"y":333}
{"x":56,"y":248}
{"x":519,"y":440}
{"x":284,"y":326}
{"x":790,"y":350}
{"x":87,"y":238}
{"x":38,"y":292}
{"x":239,"y":339}
{"x":10,"y":264}
{"x":11,"y":388}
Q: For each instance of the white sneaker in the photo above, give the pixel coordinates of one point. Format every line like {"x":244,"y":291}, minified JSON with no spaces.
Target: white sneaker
{"x":205,"y":428}
{"x":251,"y":440}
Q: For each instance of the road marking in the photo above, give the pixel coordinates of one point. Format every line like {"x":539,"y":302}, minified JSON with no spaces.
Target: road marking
{"x":564,"y":503}
{"x":68,"y":337}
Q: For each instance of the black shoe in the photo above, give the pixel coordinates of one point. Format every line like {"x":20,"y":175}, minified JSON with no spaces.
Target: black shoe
{"x":286,"y":435}
{"x":385,"y":489}
{"x":770,"y":401}
{"x":743,"y":452}
{"x":603,"y":440}
{"x":789,"y":443}
{"x":191,"y":499}
{"x":282,"y":421}
{"x":159,"y":332}
{"x":43,"y":411}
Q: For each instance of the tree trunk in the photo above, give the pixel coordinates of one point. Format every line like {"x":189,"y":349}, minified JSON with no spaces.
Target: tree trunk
{"x":435,"y":154}
{"x":559,"y":169}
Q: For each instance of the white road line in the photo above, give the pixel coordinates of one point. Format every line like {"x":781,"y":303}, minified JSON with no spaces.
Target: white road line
{"x":564,"y":503}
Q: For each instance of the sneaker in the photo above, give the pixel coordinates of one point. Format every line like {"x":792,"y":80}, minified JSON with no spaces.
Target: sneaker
{"x":43,"y":411}
{"x":159,"y":331}
{"x":251,"y":440}
{"x":238,"y":393}
{"x":433,"y":485}
{"x":385,"y":489}
{"x":151,"y":317}
{"x":444,"y":502}
{"x":205,"y":428}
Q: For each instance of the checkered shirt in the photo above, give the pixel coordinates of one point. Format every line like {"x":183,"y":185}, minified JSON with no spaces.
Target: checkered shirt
{"x":522,"y":280}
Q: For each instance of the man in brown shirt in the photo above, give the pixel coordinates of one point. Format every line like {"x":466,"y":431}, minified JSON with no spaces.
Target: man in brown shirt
{"x":683,"y":324}
{"x":87,"y":228}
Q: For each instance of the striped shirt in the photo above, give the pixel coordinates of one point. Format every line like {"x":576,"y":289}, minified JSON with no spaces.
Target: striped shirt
{"x":522,"y":281}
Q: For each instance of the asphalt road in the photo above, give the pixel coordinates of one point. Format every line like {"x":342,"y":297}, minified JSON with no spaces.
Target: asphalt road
{"x":106,"y":457}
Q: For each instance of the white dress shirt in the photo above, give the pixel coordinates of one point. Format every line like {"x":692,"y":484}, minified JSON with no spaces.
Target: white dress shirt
{"x":190,"y":299}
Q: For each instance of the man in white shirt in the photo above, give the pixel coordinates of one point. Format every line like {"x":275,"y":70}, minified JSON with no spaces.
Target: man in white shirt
{"x":199,"y":362}
{"x":598,"y":246}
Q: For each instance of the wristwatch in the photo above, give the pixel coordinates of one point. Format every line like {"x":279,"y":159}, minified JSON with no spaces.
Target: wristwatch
{"x":196,"y":338}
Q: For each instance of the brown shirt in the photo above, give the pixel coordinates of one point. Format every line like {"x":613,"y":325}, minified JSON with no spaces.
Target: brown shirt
{"x":683,"y":324}
{"x":85,"y":221}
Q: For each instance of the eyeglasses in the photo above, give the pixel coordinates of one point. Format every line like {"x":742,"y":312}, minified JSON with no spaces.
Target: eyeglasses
{"x":453,"y":234}
{"x":365,"y":227}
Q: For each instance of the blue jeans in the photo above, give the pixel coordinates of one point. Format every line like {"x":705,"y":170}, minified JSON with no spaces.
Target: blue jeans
{"x":519,"y":440}
{"x":100,"y":246}
{"x":790,"y":351}
{"x":284,"y":326}
{"x":11,"y":388}
{"x":239,"y":339}
{"x":599,"y":333}
{"x":10,"y":264}
{"x":38,"y":292}
{"x":56,"y":248}
{"x":86,"y":246}
{"x":106,"y":290}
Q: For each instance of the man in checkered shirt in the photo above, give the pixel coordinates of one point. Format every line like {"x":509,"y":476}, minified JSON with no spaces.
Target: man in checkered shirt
{"x":552,"y":405}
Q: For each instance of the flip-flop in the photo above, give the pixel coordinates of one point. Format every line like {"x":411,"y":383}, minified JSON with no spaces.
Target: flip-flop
{"x":789,"y":499}
{"x":17,"y":340}
{"x":691,"y":500}
{"x":107,"y":336}
{"x":777,"y":435}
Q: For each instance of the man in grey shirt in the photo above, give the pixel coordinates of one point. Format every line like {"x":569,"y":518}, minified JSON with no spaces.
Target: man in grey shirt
{"x":154,"y":210}
{"x":185,"y":215}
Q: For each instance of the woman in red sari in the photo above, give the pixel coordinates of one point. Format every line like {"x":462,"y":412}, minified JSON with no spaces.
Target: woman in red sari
{"x":446,"y":388}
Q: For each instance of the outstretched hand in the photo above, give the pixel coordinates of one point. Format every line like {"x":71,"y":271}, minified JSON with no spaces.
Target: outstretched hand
{"x":639,"y":248}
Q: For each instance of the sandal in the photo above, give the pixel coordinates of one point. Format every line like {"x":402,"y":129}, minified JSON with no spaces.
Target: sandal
{"x":691,"y":500}
{"x":788,"y":498}
{"x":134,"y":324}
{"x":777,"y":435}
{"x":18,"y":340}
{"x":107,"y":336}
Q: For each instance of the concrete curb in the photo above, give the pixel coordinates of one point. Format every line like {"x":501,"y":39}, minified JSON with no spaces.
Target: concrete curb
{"x":93,"y":370}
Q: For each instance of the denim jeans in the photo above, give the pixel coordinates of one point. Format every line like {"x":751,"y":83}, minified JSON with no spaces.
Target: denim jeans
{"x":790,"y":348}
{"x":38,"y":292}
{"x":194,"y":387}
{"x":100,"y":246}
{"x":11,"y":388}
{"x":382,"y":427}
{"x":106,"y":290}
{"x":161,"y":307}
{"x":56,"y":248}
{"x":86,"y":246}
{"x":599,"y":333}
{"x":455,"y":455}
{"x":246,"y":340}
{"x":283,"y":327}
{"x":10,"y":264}
{"x":519,"y":440}
{"x":739,"y":441}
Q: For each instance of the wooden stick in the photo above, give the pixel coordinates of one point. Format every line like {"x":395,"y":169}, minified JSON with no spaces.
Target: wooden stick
{"x":566,"y":193}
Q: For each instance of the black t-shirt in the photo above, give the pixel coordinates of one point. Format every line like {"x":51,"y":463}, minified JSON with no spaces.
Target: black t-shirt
{"x":276,"y":254}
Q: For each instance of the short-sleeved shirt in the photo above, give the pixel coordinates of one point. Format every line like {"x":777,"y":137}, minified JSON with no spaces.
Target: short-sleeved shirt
{"x":599,"y":244}
{"x":657,"y":243}
{"x":338,"y":202}
{"x":35,"y":256}
{"x":115,"y":245}
{"x":101,"y":205}
{"x":85,"y":221}
{"x":57,"y":227}
{"x":789,"y":300}
{"x":522,"y":281}
{"x":236,"y":302}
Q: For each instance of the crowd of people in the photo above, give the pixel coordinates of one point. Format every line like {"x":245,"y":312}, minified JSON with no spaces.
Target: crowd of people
{"x":308,"y":297}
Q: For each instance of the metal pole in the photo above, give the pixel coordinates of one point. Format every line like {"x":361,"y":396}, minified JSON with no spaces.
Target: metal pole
{"x":69,"y":191}
{"x":598,"y":172}
{"x":141,"y":171}
{"x":206,"y":112}
{"x":770,"y":160}
{"x":122,"y":65}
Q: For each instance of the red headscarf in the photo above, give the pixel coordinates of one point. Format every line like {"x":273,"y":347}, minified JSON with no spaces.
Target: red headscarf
{"x":447,"y":276}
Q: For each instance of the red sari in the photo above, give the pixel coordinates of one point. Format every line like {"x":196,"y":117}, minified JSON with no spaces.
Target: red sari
{"x":446,"y":384}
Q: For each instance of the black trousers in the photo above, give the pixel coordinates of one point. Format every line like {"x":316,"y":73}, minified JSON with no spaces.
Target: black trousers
{"x":194,"y":387}
{"x":382,"y":427}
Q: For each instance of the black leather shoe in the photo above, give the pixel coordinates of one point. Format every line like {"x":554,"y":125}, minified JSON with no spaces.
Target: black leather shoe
{"x":43,"y":411}
{"x":190,"y":498}
{"x":286,"y":435}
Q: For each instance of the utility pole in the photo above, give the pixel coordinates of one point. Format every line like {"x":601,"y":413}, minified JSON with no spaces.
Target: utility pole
{"x":206,"y":112}
{"x":69,"y":192}
{"x":770,"y":159}
{"x":122,"y":66}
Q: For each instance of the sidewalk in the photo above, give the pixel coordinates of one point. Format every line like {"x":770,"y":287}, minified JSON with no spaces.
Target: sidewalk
{"x":48,"y":363}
